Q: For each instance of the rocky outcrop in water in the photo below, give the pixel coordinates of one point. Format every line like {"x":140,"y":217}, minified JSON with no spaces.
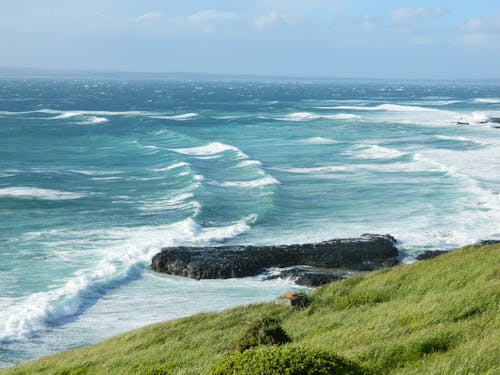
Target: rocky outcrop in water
{"x":367,"y":253}
{"x":429,"y":254}
{"x":310,"y":276}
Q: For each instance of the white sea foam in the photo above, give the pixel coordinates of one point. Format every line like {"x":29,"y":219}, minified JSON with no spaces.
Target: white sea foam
{"x":179,"y":202}
{"x":65,"y":115}
{"x":387,"y":107}
{"x":61,"y":114}
{"x":461,"y":139}
{"x":479,"y":117}
{"x":316,"y":170}
{"x":318,"y":141}
{"x":260,"y":182}
{"x":172,"y":166}
{"x":71,"y":113}
{"x":365,"y":151}
{"x":309,"y":116}
{"x":209,"y":157}
{"x":246,"y":163}
{"x":110,"y":178}
{"x":94,"y":172}
{"x":37,"y":193}
{"x":487,"y":100}
{"x":91,"y":120}
{"x":181,"y":117}
{"x":451,"y":138}
{"x":209,"y":149}
{"x":441,"y":102}
{"x":124,"y":261}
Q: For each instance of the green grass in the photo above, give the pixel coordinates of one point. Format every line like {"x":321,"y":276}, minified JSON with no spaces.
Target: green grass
{"x":439,"y":316}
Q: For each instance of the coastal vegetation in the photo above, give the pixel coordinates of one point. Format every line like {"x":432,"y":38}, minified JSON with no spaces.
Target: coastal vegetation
{"x":439,"y":316}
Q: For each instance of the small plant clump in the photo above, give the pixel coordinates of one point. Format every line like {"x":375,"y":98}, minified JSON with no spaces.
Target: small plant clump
{"x":290,"y":360}
{"x":265,"y":331}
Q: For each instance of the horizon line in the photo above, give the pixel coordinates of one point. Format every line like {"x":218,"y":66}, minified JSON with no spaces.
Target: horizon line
{"x":36,"y":72}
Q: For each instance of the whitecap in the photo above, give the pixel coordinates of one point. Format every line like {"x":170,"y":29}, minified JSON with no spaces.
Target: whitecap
{"x":172,"y":166}
{"x":209,"y":149}
{"x":111,"y":178}
{"x":181,"y":117}
{"x":94,"y":172}
{"x":65,"y":115}
{"x":388,"y":107}
{"x":246,"y":163}
{"x":365,"y":151}
{"x":264,"y":181}
{"x":319,"y":141}
{"x":459,"y":139}
{"x":179,"y":202}
{"x":315,"y":170}
{"x":487,"y":100}
{"x":94,"y":120}
{"x":37,"y":193}
{"x":479,"y":117}
{"x":71,"y":113}
{"x":309,"y":116}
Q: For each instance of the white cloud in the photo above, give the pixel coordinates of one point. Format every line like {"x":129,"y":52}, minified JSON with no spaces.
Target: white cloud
{"x":150,"y":16}
{"x":482,"y":24}
{"x":268,"y":20}
{"x":475,"y":39}
{"x":403,"y":15}
{"x":208,"y":20}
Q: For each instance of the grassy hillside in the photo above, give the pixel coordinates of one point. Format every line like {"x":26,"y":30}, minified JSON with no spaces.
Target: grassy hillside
{"x":439,"y":316}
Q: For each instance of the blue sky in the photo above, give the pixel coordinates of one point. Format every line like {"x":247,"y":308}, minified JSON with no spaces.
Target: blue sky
{"x":365,"y":39}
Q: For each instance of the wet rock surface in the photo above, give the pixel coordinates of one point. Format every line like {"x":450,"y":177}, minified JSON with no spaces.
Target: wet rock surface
{"x":367,"y":253}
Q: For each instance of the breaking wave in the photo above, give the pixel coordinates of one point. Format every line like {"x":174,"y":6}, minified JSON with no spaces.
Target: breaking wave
{"x":264,"y":181}
{"x":124,"y":262}
{"x":209,"y":149}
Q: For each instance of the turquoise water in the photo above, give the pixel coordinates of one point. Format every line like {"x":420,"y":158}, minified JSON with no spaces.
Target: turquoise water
{"x":96,"y":176}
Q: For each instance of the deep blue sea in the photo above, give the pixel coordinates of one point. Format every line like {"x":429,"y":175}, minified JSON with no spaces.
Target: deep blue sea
{"x":97,"y":175}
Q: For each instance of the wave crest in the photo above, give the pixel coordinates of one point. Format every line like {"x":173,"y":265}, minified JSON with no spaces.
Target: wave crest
{"x":209,"y":149}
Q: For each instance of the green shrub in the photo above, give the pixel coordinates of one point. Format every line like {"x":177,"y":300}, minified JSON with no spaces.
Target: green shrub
{"x":289,"y":360}
{"x":265,"y":331}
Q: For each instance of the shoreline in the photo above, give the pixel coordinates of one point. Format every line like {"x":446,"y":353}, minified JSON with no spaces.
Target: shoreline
{"x":433,"y":278}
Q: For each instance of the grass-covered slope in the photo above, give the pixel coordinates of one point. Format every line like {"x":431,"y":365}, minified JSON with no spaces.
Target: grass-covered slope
{"x":439,"y":316}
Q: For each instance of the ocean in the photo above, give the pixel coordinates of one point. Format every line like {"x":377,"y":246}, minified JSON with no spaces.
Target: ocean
{"x":97,"y":175}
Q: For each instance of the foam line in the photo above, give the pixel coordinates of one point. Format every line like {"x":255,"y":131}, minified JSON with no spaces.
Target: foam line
{"x":37,"y":193}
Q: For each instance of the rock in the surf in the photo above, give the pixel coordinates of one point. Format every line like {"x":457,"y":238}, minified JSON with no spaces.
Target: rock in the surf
{"x":369,"y":252}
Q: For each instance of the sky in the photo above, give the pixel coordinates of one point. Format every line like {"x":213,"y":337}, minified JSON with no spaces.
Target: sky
{"x":446,"y":39}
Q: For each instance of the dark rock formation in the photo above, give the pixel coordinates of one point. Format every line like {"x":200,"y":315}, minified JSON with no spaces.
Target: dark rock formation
{"x":310,"y":276}
{"x":370,"y":252}
{"x":488,"y":242}
{"x":429,"y":254}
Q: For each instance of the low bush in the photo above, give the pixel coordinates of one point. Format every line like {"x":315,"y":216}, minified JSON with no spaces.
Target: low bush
{"x":265,"y":331}
{"x":289,"y":360}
